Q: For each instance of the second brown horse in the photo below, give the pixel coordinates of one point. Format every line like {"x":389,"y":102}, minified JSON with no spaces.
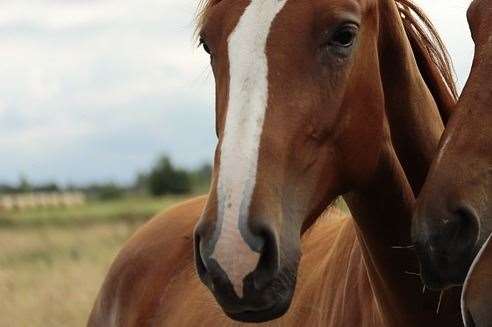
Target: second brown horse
{"x":453,"y":219}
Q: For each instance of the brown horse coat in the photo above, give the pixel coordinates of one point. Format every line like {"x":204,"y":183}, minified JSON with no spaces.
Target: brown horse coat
{"x":476,"y":300}
{"x":349,"y":274}
{"x":452,"y":223}
{"x":333,"y":288}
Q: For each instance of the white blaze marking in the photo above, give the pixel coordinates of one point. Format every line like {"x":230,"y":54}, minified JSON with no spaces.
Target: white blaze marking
{"x":248,"y":97}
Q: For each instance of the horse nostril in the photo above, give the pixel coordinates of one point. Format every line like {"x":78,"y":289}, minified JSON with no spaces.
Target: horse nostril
{"x":240,"y":264}
{"x":269,"y":260}
{"x":466,"y":225}
{"x":456,"y":233}
{"x":199,"y":263}
{"x":445,"y":245}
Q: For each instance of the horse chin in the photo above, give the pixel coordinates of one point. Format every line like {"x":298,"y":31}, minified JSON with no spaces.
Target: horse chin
{"x":436,"y":283}
{"x":269,"y":303}
{"x":275,"y":298}
{"x":275,"y":312}
{"x":445,"y":266}
{"x":440,"y":277}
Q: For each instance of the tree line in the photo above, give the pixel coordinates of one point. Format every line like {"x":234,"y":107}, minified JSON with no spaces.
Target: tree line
{"x":163,"y":178}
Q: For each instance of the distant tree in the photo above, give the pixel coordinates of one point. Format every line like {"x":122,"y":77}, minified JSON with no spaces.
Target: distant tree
{"x":205,"y":172}
{"x":201,"y":178}
{"x":104,"y":191}
{"x":7,"y":189}
{"x":110,"y":191}
{"x":49,"y":187}
{"x":24,"y":185}
{"x":164,"y":178}
{"x":141,"y":184}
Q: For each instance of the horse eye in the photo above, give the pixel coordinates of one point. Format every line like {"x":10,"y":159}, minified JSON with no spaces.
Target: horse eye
{"x":345,"y":36}
{"x":204,"y":45}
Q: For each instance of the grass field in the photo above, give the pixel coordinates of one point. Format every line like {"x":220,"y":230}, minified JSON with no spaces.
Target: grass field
{"x":53,"y":261}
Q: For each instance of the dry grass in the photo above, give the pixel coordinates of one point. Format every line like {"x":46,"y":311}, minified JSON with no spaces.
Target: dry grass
{"x":52,"y":262}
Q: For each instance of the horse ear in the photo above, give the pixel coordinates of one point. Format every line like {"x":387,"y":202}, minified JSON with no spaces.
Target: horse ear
{"x":476,"y":299}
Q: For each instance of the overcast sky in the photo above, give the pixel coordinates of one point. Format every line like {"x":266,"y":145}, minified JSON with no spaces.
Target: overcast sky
{"x":95,"y":90}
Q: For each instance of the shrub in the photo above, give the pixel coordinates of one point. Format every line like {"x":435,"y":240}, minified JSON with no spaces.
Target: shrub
{"x":166,"y":179}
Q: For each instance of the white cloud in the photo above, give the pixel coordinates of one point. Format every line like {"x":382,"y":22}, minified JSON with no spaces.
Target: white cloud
{"x":75,"y":72}
{"x":63,"y":14}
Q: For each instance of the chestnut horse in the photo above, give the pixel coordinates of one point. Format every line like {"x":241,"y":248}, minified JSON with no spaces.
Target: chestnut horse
{"x":453,"y":215}
{"x":314,"y":99}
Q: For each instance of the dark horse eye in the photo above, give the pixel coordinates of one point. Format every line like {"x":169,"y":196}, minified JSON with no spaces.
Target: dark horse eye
{"x":204,"y":45}
{"x":345,"y":36}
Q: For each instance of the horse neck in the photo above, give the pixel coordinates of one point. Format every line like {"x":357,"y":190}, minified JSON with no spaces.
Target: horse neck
{"x":383,"y":209}
{"x":412,"y":112}
{"x":383,"y":213}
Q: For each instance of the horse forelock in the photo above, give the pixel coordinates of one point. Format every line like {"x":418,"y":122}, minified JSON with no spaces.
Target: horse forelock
{"x":419,"y":29}
{"x":202,"y":14}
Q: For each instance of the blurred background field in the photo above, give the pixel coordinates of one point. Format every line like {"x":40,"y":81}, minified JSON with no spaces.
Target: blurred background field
{"x":53,"y":261}
{"x":54,"y":255}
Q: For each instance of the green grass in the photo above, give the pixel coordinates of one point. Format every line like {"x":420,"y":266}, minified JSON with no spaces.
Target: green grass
{"x":128,"y":209}
{"x":53,"y":261}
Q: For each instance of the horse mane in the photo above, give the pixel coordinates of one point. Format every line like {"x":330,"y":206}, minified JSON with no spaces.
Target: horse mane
{"x":431,"y":55}
{"x":202,"y":13}
{"x":429,"y":50}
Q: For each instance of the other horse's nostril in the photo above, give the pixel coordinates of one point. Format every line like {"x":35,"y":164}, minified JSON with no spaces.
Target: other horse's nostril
{"x":456,"y":236}
{"x":456,"y":230}
{"x":466,"y":225}
{"x":446,"y":245}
